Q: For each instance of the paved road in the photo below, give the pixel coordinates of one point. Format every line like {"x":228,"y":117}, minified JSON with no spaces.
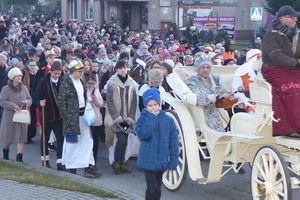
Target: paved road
{"x":132,"y":186}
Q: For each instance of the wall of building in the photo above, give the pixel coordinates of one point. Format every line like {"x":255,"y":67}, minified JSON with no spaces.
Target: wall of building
{"x":158,"y":14}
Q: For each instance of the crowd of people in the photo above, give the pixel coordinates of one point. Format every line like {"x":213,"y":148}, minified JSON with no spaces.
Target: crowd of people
{"x":57,"y":69}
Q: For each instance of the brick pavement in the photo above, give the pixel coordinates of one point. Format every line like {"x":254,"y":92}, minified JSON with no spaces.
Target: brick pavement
{"x":11,"y":190}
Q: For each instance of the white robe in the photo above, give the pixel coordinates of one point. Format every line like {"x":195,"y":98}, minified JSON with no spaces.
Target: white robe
{"x":80,"y":154}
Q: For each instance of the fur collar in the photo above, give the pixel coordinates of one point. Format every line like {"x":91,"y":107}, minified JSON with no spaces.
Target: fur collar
{"x":116,"y":81}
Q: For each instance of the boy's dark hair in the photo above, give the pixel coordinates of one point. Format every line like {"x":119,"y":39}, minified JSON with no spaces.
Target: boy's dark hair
{"x":120,"y":64}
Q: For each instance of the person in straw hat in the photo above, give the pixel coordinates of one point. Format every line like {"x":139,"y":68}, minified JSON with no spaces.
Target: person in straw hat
{"x":78,"y":143}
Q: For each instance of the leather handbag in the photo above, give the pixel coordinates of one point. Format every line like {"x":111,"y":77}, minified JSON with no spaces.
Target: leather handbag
{"x":22,"y":116}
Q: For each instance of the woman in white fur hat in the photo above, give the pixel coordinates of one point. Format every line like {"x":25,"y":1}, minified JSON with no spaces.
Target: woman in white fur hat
{"x":13,"y":97}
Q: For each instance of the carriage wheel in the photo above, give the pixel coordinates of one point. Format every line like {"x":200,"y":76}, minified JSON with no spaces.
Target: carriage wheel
{"x":270,"y":177}
{"x":173,"y":179}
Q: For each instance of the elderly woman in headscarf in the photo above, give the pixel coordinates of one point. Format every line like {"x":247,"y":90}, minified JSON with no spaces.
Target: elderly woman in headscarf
{"x":207,"y":88}
{"x":14,"y":96}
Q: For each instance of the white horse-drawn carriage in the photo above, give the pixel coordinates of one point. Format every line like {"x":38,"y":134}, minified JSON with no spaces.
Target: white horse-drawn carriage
{"x":275,"y":161}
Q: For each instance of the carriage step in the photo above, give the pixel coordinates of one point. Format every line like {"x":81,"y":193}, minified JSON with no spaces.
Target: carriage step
{"x":290,"y":142}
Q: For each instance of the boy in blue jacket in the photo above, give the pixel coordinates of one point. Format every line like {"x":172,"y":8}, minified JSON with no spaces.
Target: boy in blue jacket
{"x":159,"y":148}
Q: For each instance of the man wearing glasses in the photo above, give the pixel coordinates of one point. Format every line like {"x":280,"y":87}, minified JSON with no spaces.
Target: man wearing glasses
{"x":281,"y":68}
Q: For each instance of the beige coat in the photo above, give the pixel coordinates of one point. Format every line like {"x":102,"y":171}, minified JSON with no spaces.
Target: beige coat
{"x":10,"y":97}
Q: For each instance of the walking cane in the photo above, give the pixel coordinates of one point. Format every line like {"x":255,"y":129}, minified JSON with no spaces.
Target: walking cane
{"x":43,"y":136}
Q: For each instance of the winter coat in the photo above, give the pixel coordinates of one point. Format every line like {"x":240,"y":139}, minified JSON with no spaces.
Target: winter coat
{"x":44,"y":91}
{"x":277,"y":50}
{"x":69,"y":106}
{"x":3,"y":77}
{"x":202,"y":91}
{"x":159,"y":148}
{"x":97,"y":102}
{"x":10,"y":97}
{"x":29,"y":80}
{"x":121,"y":99}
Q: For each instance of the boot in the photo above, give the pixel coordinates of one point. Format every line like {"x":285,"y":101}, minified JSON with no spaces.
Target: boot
{"x":46,"y":164}
{"x":124,"y":169}
{"x":72,"y":171}
{"x":90,"y":172}
{"x":116,"y":167}
{"x":19,"y":157}
{"x":5,"y":154}
{"x":60,"y":167}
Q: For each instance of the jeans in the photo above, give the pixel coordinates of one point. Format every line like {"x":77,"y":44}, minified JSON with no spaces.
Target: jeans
{"x":153,"y":182}
{"x":95,"y":133}
{"x":121,"y":145}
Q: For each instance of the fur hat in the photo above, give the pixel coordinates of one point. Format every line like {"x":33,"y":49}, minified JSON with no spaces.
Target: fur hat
{"x":155,"y":76}
{"x":14,"y":72}
{"x":151,"y":94}
{"x":200,"y":62}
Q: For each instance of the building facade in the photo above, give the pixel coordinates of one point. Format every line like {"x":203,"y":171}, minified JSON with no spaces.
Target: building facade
{"x":159,"y":14}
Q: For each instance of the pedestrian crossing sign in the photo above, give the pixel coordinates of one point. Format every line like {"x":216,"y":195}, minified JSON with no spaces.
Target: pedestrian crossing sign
{"x":256,"y":13}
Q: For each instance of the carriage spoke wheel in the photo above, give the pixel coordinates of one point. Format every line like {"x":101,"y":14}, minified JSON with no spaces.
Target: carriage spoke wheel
{"x":173,"y":179}
{"x":270,"y":177}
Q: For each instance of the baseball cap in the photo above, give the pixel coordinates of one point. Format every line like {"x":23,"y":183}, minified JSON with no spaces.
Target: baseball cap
{"x":287,"y":10}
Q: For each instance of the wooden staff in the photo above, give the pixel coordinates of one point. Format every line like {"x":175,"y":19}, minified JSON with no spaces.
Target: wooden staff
{"x":43,"y":136}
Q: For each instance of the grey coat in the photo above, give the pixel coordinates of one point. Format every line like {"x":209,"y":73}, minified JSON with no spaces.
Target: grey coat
{"x":202,"y":91}
{"x":10,"y":97}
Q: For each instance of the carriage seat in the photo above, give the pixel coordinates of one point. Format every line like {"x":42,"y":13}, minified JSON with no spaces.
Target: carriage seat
{"x":250,"y":125}
{"x":225,"y":73}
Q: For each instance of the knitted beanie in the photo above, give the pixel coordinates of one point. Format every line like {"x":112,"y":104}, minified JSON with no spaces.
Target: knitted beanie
{"x":151,"y":94}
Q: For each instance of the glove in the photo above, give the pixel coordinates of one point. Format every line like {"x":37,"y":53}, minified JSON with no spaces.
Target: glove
{"x":212,"y":98}
{"x":124,"y":125}
{"x":71,"y":138}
